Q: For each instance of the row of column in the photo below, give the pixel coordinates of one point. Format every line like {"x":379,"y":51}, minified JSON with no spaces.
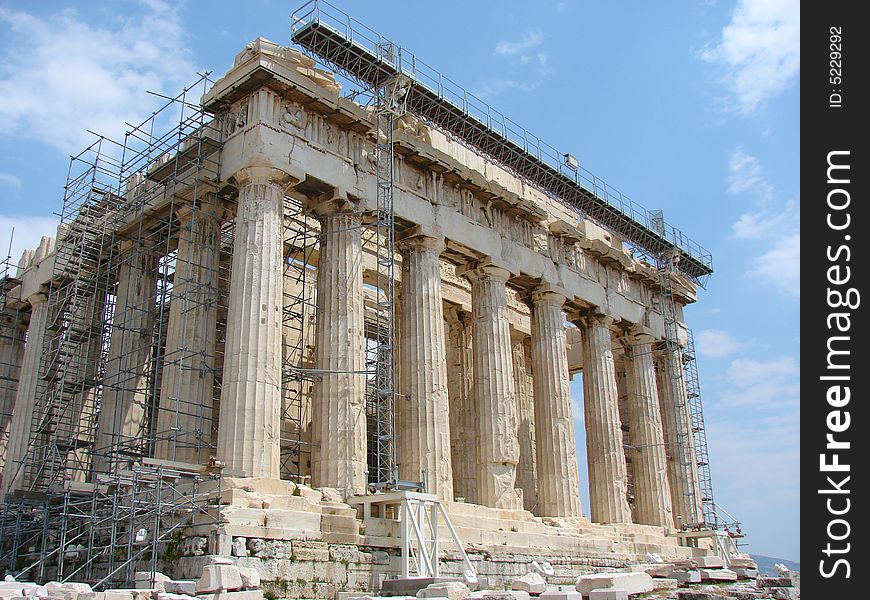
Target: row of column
{"x":248,"y":440}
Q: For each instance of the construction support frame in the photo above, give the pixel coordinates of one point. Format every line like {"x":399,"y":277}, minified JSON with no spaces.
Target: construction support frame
{"x":95,"y":507}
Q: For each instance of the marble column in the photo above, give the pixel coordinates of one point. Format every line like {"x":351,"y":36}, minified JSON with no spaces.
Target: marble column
{"x":494,"y":401}
{"x":558,"y":479}
{"x":527,"y":477}
{"x":463,"y":419}
{"x":679,"y":441}
{"x":605,"y":456}
{"x":187,"y":385}
{"x":12,"y":338}
{"x":249,"y":430}
{"x":652,"y":494}
{"x":123,"y":411}
{"x":338,"y":416}
{"x":25,"y":396}
{"x":422,"y":407}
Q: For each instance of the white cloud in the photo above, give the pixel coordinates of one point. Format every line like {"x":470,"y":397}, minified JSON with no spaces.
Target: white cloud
{"x":781,"y":264}
{"x":63,"y":74}
{"x":10,"y":181}
{"x":759,"y":51}
{"x":28,"y":231}
{"x":716,"y":343}
{"x":762,"y":384}
{"x":746,"y":175}
{"x":530,"y":40}
{"x":775,"y":224}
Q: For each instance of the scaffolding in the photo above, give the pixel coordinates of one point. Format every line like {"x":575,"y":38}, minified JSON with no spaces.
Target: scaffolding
{"x":13,"y":328}
{"x":114,"y":466}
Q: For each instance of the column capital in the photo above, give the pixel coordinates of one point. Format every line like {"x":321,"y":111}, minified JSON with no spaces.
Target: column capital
{"x":207,"y":205}
{"x":423,"y":238}
{"x":37,"y":298}
{"x":590,"y":316}
{"x":638,"y":334}
{"x":264,"y":174}
{"x":547,"y":292}
{"x":485,"y":268}
{"x":334,"y":202}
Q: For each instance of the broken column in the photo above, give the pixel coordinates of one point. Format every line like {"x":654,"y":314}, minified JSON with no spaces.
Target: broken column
{"x":498,"y":448}
{"x":25,"y":396}
{"x":125,"y":391}
{"x":249,"y":430}
{"x":558,"y":488}
{"x":187,"y":386}
{"x":679,"y":440}
{"x":605,"y":456}
{"x":463,"y":422}
{"x":422,"y":408}
{"x":338,"y":418}
{"x":652,"y":494}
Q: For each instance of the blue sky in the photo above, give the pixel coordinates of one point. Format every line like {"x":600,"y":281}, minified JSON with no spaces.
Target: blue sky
{"x":691,"y":107}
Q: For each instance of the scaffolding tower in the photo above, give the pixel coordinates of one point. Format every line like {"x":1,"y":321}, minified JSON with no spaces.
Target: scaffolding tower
{"x":100,"y":507}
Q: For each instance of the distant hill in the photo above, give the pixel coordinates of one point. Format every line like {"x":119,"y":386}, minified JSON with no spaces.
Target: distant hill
{"x":765,"y":564}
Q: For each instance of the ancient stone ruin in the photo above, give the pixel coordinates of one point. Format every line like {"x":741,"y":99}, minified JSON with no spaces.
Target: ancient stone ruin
{"x":329,"y":342}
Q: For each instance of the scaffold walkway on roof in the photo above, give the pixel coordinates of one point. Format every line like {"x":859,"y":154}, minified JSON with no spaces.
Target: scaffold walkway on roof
{"x":369,"y":59}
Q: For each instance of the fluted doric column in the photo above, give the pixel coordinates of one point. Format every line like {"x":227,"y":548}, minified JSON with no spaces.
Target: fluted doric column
{"x":338,"y":417}
{"x":527,"y":478}
{"x":679,"y":440}
{"x":498,"y":448}
{"x":422,"y":408}
{"x":463,"y":418}
{"x":12,"y":339}
{"x":605,"y":456}
{"x":25,"y":396}
{"x":249,"y":431}
{"x":187,"y":385}
{"x":123,"y":409}
{"x":558,"y":479}
{"x":652,"y":494}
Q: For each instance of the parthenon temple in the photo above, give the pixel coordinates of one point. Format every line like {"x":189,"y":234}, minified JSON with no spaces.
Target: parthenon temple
{"x":276,"y":331}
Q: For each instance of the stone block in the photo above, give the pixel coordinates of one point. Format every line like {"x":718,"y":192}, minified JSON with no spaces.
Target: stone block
{"x":559,"y":594}
{"x":217,"y":578}
{"x":785,"y":593}
{"x":250,"y":578}
{"x":223,"y":595}
{"x":65,"y":591}
{"x":344,"y":552}
{"x":609,"y":594}
{"x":138,"y":594}
{"x":654,"y":569}
{"x":743,"y":561}
{"x":774,"y":582}
{"x":532,"y":583}
{"x":118,"y":595}
{"x":502,"y":595}
{"x":745,"y":573}
{"x":310,"y":550}
{"x":686,"y":577}
{"x":180,"y":586}
{"x":710,"y":562}
{"x":718,"y":575}
{"x":685,"y":595}
{"x":452,"y":590}
{"x":665,"y":583}
{"x":143,"y":581}
{"x":633,"y":583}
{"x":308,"y":493}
